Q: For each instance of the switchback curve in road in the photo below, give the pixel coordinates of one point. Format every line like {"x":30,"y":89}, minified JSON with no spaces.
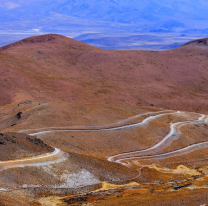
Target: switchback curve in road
{"x":118,"y":128}
{"x":166,"y":140}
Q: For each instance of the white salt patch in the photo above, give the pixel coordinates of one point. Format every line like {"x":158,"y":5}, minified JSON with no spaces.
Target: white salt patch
{"x":81,"y":178}
{"x":49,"y":170}
{"x":2,"y":189}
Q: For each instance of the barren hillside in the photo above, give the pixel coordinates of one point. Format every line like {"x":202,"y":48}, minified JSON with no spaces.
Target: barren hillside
{"x":55,"y":68}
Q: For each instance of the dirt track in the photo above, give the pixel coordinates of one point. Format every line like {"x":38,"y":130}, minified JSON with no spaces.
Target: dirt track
{"x":58,"y":172}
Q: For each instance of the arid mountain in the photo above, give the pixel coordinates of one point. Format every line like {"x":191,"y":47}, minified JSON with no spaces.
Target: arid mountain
{"x":85,"y":126}
{"x":55,"y":68}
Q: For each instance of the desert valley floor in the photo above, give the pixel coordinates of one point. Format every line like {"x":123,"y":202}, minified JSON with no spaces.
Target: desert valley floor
{"x":85,"y":126}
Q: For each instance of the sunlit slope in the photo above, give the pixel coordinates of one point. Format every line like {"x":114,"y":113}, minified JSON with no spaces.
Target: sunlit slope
{"x":58,"y":69}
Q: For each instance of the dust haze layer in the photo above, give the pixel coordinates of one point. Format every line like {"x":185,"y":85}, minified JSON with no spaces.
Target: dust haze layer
{"x":59,"y":69}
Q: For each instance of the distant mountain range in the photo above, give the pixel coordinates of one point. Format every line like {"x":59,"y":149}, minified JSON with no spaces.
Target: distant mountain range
{"x":84,"y":16}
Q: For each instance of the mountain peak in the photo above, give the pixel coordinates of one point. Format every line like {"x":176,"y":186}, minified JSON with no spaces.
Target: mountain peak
{"x":199,"y":43}
{"x":34,"y":40}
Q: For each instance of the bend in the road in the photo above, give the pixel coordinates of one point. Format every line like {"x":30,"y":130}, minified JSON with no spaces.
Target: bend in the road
{"x":130,"y":126}
{"x":86,"y":128}
{"x":166,"y":140}
{"x":46,"y":159}
{"x":174,"y":153}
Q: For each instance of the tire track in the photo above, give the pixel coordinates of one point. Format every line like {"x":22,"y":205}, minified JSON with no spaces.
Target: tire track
{"x":125,"y":127}
{"x":172,"y":135}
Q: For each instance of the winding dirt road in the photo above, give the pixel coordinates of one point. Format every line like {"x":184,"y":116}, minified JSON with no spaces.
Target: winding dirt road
{"x":108,"y":127}
{"x":41,"y":160}
{"x":174,"y":153}
{"x":58,"y":155}
{"x":171,"y":136}
{"x":94,"y":128}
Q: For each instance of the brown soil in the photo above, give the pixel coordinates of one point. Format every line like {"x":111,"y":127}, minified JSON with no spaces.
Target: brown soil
{"x":59,"y":69}
{"x":12,"y":199}
{"x":16,"y":146}
{"x":36,"y":116}
{"x":184,"y":197}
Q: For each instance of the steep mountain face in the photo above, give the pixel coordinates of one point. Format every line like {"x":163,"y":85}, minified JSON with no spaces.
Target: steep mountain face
{"x":58,"y":69}
{"x":151,"y":15}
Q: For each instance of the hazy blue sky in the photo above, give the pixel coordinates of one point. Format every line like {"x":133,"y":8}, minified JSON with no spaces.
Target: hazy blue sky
{"x":77,"y":17}
{"x":104,"y":15}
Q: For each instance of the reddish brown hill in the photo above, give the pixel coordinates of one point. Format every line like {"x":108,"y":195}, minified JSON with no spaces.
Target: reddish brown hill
{"x":202,"y":43}
{"x":38,"y":39}
{"x":49,"y":38}
{"x":59,"y":69}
